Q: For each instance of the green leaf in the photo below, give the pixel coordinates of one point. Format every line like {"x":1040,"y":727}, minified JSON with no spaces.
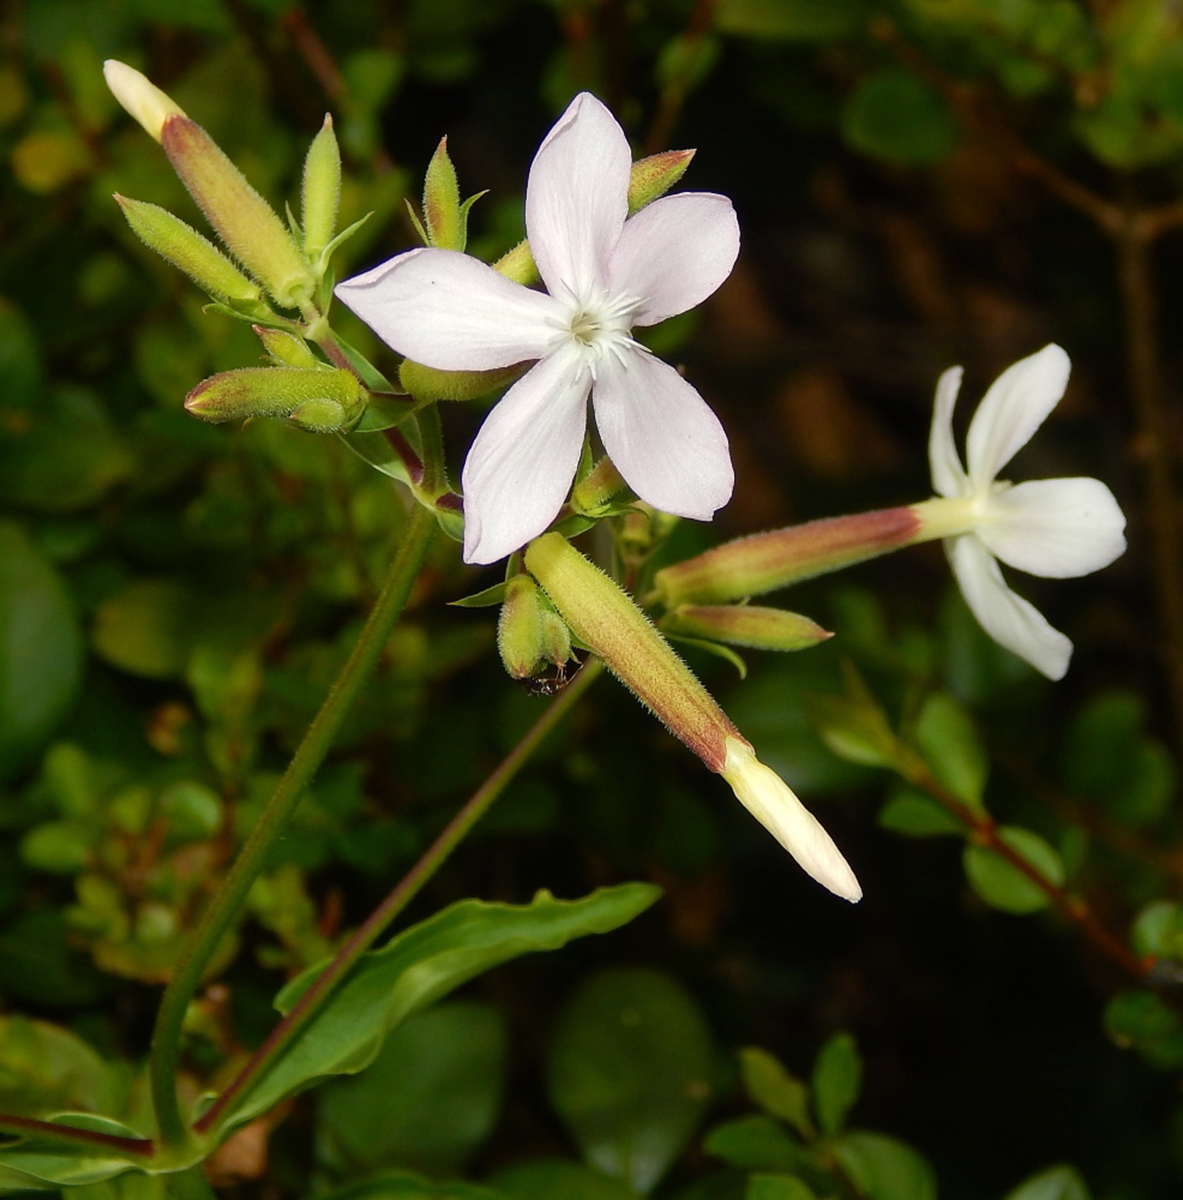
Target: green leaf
{"x":797,"y":20}
{"x":47,"y":1069}
{"x":419,"y":966}
{"x":756,"y":1143}
{"x":914,"y":813}
{"x":777,"y":1187}
{"x":1054,"y":1183}
{"x":775,"y":1090}
{"x":430,"y":1097}
{"x":551,"y":1178}
{"x":147,"y":628}
{"x":1158,"y":931}
{"x":630,"y":1072}
{"x":896,"y":116}
{"x":1141,"y":1021}
{"x":404,"y":1185}
{"x":1004,"y":886}
{"x":947,"y":739}
{"x":487,"y":598}
{"x":886,"y":1169}
{"x":837,"y":1081}
{"x":40,"y":649}
{"x":58,"y":1162}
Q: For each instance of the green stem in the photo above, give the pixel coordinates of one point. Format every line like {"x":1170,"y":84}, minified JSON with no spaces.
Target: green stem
{"x":189,"y":1184}
{"x":224,"y":907}
{"x":379,"y":921}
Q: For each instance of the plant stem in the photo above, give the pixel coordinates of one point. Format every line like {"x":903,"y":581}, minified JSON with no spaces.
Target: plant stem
{"x":32,"y":1127}
{"x":379,"y":921}
{"x":224,"y":907}
{"x":1146,"y":388}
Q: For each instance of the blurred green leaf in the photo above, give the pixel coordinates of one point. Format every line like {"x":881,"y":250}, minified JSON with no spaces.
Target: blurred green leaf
{"x":1142,"y":1021}
{"x":630,"y":1072}
{"x":896,"y":116}
{"x":146,"y":628}
{"x":551,"y":1178}
{"x":44,"y":1068}
{"x":61,"y":847}
{"x":419,"y":966}
{"x":57,"y":1162}
{"x":775,"y":1090}
{"x":1158,"y":930}
{"x":38,"y":964}
{"x":837,"y":1081}
{"x":777,"y":1187}
{"x":1054,"y":1183}
{"x":796,"y":20}
{"x":947,"y":739}
{"x":404,"y":1185}
{"x":914,"y":813}
{"x":21,"y":378}
{"x":886,"y":1169}
{"x":1003,"y":885}
{"x":429,"y":1098}
{"x":756,"y":1143}
{"x":40,"y":649}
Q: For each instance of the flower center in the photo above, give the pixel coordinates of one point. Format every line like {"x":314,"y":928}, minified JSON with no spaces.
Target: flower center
{"x":600,"y":324}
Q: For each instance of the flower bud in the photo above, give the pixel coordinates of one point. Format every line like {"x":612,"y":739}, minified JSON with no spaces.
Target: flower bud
{"x":745,"y":625}
{"x":654,"y":176}
{"x":593,"y":493}
{"x":519,"y":628}
{"x":321,"y":193}
{"x":243,"y":219}
{"x":763,"y":562}
{"x":446,"y":219}
{"x":322,"y":400}
{"x":429,"y":383}
{"x":285,"y":349}
{"x":187,"y":250}
{"x":603,"y":617}
{"x":142,"y":99}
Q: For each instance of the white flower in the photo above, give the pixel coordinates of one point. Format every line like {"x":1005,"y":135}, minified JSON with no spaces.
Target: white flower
{"x":1058,"y":528}
{"x":604,"y":275}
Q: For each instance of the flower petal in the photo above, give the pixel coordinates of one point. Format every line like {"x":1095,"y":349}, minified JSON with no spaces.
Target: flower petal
{"x":948,"y":476}
{"x":452,"y":312}
{"x":577,"y":198}
{"x":675,"y":253}
{"x":1009,"y":619}
{"x":1015,"y":406}
{"x":1058,"y":528}
{"x":661,"y":435}
{"x":523,"y":460}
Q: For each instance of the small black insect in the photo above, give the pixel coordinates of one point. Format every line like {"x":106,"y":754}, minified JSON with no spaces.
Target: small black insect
{"x":551,"y":679}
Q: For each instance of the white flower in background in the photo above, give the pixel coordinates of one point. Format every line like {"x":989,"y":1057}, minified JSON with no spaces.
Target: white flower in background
{"x":604,"y":276}
{"x":1058,"y":528}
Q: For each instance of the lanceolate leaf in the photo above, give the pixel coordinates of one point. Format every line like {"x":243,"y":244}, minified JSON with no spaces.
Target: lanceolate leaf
{"x":418,"y":967}
{"x":61,"y":1163}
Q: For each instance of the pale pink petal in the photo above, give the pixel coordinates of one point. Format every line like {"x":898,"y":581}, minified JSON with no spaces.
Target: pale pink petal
{"x":1017,"y":403}
{"x":1009,"y":619}
{"x":452,"y":312}
{"x":523,"y":460}
{"x":661,"y":436}
{"x":674,"y":254}
{"x":577,"y":198}
{"x":948,"y":477}
{"x":1058,"y":528}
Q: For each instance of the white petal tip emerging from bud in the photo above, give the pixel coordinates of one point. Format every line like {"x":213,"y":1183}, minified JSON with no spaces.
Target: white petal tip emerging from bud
{"x":772,"y":802}
{"x":142,"y":98}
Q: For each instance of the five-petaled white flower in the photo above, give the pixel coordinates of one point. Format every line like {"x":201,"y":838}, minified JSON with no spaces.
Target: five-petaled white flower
{"x":1058,"y":528}
{"x":605,"y":274}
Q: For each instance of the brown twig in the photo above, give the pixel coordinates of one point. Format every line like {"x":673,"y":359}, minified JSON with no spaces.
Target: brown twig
{"x":677,"y":86}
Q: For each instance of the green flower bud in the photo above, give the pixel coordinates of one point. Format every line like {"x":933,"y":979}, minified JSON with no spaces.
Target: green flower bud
{"x":285,"y":349}
{"x":427,"y":383}
{"x":654,"y":176}
{"x":519,"y":628}
{"x":745,"y":625}
{"x":187,"y":250}
{"x":142,"y":99}
{"x":242,"y":218}
{"x":322,"y":191}
{"x":445,"y":218}
{"x":322,"y":400}
{"x":592,"y":494}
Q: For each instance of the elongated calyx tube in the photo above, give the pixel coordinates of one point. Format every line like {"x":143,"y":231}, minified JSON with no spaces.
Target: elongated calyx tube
{"x":604,"y":618}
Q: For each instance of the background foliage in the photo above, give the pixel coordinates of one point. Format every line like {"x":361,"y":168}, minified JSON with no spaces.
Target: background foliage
{"x":918,"y":184}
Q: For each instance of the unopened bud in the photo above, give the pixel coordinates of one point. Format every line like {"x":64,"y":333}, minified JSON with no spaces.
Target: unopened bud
{"x":763,"y":562}
{"x":745,"y":625}
{"x":654,"y":176}
{"x":429,"y":383}
{"x":187,"y":250}
{"x":243,"y":219}
{"x":285,"y":349}
{"x":591,"y":495}
{"x":141,"y":98}
{"x":322,"y":400}
{"x":321,"y":192}
{"x":443,"y":214}
{"x":519,"y":628}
